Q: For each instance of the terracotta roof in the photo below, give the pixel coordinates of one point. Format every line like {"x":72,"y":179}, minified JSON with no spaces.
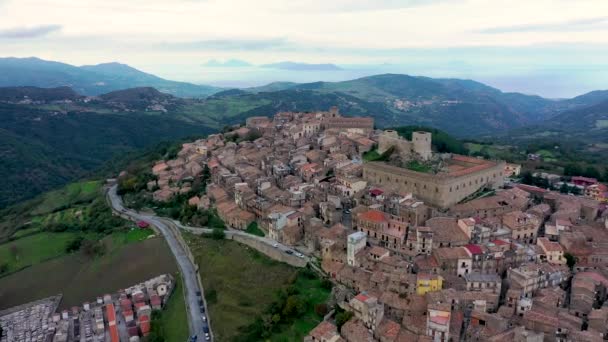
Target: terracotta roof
{"x":362,"y":297}
{"x":373,"y":215}
{"x":474,"y":249}
{"x":389,"y":329}
{"x":110,"y":313}
{"x":324,"y":331}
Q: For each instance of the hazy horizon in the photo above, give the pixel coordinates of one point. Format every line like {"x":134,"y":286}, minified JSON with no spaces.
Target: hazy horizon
{"x":553,"y":48}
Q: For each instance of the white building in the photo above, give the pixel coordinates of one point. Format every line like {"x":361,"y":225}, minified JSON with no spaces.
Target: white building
{"x":356,"y":242}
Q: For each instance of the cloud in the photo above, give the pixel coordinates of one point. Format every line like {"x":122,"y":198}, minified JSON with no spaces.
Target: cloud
{"x":29,"y":32}
{"x":230,"y":44}
{"x":573,"y":25}
{"x":366,"y":5}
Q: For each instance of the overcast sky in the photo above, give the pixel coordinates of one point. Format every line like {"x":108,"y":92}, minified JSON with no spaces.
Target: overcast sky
{"x":170,"y":37}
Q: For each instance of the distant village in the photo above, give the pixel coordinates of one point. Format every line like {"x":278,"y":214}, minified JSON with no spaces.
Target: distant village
{"x":123,"y":316}
{"x":446,"y":252}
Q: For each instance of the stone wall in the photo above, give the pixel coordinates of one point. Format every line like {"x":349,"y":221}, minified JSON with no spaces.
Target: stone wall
{"x":440,"y":190}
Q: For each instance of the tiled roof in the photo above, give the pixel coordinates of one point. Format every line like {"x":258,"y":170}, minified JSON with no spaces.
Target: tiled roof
{"x":373,"y":215}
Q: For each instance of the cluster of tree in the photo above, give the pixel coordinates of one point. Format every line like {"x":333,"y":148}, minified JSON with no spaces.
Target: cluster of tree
{"x":252,"y":135}
{"x":574,"y":169}
{"x":528,"y":178}
{"x":87,"y":247}
{"x":96,"y":218}
{"x":289,"y":306}
{"x":342,"y":317}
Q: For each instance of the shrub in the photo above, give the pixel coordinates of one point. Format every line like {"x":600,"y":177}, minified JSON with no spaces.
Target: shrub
{"x":321,"y":309}
{"x":218,"y":234}
{"x":326,"y":284}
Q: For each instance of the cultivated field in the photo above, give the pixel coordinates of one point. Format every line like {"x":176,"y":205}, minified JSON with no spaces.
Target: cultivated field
{"x":82,"y":278}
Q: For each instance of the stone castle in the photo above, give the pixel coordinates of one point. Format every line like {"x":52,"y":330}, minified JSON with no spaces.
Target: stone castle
{"x":459,"y":178}
{"x":419,"y":146}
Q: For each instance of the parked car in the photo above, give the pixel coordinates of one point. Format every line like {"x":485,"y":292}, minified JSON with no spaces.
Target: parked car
{"x":288,"y":251}
{"x":299,"y":255}
{"x":198,"y":293}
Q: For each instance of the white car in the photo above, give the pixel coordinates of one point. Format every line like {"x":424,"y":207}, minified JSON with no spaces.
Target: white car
{"x":299,"y":255}
{"x":275,"y":245}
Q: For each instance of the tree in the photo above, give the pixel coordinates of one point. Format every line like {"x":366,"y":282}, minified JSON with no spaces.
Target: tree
{"x":326,"y":284}
{"x":74,"y":245}
{"x":342,"y":318}
{"x":3,"y":268}
{"x":570,"y":260}
{"x":276,"y":318}
{"x":218,"y":234}
{"x":321,"y":309}
{"x":572,"y":170}
{"x":294,"y":306}
{"x":592,"y":172}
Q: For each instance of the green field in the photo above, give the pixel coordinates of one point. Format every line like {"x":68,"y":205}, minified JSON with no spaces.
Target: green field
{"x":173,"y":321}
{"x":243,"y":280}
{"x":240,"y":284}
{"x":73,"y":193}
{"x":81,"y":278}
{"x":33,"y":249}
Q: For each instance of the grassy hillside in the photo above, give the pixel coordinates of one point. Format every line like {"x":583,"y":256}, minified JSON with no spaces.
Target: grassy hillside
{"x":243,"y":287}
{"x":42,"y":149}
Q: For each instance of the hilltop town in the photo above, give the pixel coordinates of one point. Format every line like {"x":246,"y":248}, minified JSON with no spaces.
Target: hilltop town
{"x":421,"y":246}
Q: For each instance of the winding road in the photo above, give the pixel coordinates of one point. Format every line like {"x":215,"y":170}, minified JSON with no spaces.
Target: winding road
{"x":197,"y":321}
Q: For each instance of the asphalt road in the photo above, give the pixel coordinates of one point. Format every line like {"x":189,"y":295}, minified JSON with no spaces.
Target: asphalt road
{"x":188,"y":271}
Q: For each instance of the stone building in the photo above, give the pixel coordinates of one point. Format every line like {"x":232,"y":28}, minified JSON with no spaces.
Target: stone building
{"x":464,"y":177}
{"x":420,"y":144}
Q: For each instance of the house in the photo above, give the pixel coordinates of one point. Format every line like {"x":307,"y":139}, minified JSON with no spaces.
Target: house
{"x":428,"y":282}
{"x":490,"y":282}
{"x":523,"y":226}
{"x":323,"y":332}
{"x":553,"y":252}
{"x":454,"y":260}
{"x":583,"y":181}
{"x":355,"y":331}
{"x":598,"y":192}
{"x":367,"y":309}
{"x":528,"y":278}
{"x":438,"y":323}
{"x":512,"y":170}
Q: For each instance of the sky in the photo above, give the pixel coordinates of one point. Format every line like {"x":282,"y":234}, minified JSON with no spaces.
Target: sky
{"x":555,"y":48}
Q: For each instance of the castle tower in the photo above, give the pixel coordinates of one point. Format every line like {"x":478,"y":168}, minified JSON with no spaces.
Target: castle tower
{"x":387,"y":139}
{"x":355,"y":242}
{"x":422,"y":144}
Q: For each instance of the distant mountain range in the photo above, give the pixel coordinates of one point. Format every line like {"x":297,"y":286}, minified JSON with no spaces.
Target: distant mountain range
{"x":231,"y":63}
{"x":90,"y":79}
{"x":49,"y":136}
{"x":295,"y":66}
